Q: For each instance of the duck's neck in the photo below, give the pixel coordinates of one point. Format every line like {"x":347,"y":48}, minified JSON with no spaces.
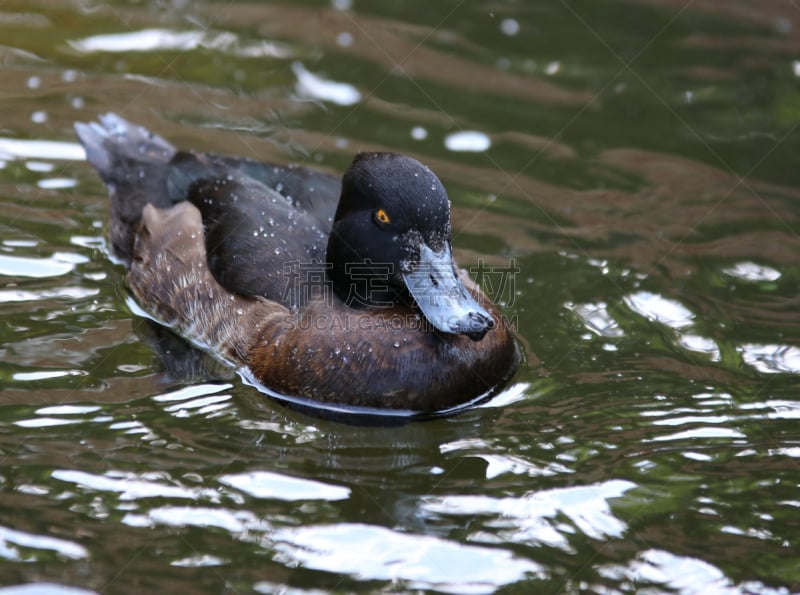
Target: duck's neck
{"x":360,"y":282}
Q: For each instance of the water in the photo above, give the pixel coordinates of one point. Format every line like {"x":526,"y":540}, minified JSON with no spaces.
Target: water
{"x":624,"y":179}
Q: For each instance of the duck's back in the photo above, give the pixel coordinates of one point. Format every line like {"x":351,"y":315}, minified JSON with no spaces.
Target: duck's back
{"x":266,"y":226}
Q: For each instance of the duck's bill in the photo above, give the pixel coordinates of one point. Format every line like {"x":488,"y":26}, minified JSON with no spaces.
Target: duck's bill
{"x":442,"y":297}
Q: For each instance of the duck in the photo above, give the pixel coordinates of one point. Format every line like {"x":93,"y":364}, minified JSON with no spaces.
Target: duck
{"x":339,"y":292}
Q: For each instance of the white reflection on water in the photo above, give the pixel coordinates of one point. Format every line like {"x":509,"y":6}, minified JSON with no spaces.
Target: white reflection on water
{"x":131,"y":486}
{"x":771,"y":358}
{"x":22,"y":295}
{"x":316,"y":87}
{"x":45,"y":375}
{"x":750,"y":271}
{"x":534,"y":517}
{"x":300,"y":432}
{"x":465,"y":444}
{"x":239,"y":523}
{"x":44,"y":588}
{"x":702,"y":433}
{"x":789,"y":451}
{"x":682,"y":574}
{"x":363,"y":551}
{"x":75,"y":414}
{"x":44,"y":422}
{"x":471,"y":141}
{"x":670,"y":313}
{"x":12,"y":148}
{"x":510,"y":395}
{"x":58,"y":264}
{"x":191,"y":392}
{"x":777,"y":408}
{"x":597,"y":319}
{"x":375,"y":553}
{"x":57,"y":183}
{"x":679,"y":573}
{"x":197,"y":400}
{"x":660,"y":309}
{"x":11,"y":538}
{"x":148,"y":40}
{"x":98,"y":242}
{"x":40,"y":166}
{"x":266,"y":484}
{"x":67,"y":409}
{"x":199,"y":561}
{"x":497,"y":465}
{"x":700,"y":345}
{"x":199,"y":406}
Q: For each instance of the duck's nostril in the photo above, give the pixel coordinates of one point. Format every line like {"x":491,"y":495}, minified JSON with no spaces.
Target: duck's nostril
{"x":487,"y":321}
{"x":474,"y":325}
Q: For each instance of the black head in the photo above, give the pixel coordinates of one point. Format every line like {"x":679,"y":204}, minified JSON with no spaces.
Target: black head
{"x":390,"y":244}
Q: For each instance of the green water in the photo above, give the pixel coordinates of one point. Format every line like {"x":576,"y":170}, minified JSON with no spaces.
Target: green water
{"x":635,"y":161}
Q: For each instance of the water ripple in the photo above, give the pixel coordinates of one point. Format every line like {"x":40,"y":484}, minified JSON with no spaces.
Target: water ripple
{"x":11,"y":540}
{"x":266,"y":484}
{"x":471,"y":141}
{"x":701,"y":433}
{"x":534,"y":517}
{"x":750,"y":271}
{"x":597,"y":319}
{"x":8,"y":296}
{"x":660,"y":309}
{"x":132,"y":486}
{"x":316,"y":87}
{"x":12,"y":148}
{"x":197,"y":399}
{"x":150,"y":40}
{"x":680,"y":573}
{"x":424,"y":562}
{"x":58,"y":264}
{"x":771,"y":358}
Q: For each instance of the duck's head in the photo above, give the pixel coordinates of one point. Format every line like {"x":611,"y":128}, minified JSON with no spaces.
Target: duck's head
{"x":390,"y":243}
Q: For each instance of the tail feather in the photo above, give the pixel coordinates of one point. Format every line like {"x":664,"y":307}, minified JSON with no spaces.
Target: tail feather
{"x":133,"y":162}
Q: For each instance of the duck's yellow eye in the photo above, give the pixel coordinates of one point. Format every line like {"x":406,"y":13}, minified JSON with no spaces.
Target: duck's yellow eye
{"x":381,"y":216}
